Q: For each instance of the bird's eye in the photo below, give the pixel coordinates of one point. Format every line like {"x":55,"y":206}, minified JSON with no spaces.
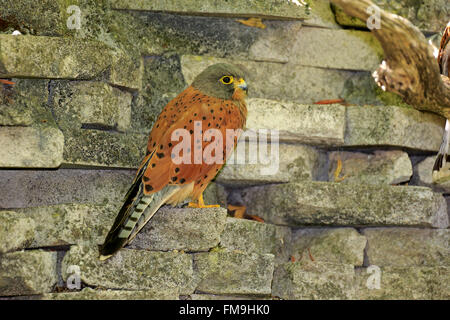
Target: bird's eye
{"x":226,"y":79}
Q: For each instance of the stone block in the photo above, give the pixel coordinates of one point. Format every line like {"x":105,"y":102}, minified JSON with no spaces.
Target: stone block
{"x":381,"y":167}
{"x":326,"y":203}
{"x":334,"y":245}
{"x":234,"y":272}
{"x":27,"y":272}
{"x":186,"y":229}
{"x":404,"y":247}
{"x":27,"y":147}
{"x":133,"y":269}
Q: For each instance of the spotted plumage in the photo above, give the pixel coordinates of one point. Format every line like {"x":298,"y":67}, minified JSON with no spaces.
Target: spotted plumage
{"x":213,"y":104}
{"x":443,"y":60}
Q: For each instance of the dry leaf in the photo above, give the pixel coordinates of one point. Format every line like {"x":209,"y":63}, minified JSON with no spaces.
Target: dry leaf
{"x":253,"y":22}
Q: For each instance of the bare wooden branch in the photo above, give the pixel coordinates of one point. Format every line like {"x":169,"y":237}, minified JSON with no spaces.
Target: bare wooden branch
{"x":409,"y":67}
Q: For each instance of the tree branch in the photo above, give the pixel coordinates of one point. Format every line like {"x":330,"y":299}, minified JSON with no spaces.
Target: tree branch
{"x":410,"y":68}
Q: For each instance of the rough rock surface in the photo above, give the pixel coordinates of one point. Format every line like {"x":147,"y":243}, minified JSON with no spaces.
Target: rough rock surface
{"x":27,"y":272}
{"x":403,"y":283}
{"x":91,"y":294}
{"x":393,"y":126}
{"x":334,"y":245}
{"x":318,"y":281}
{"x":252,"y":236}
{"x":315,"y":124}
{"x":325,"y":203}
{"x":182,"y":229}
{"x":402,"y":247}
{"x":16,"y":231}
{"x":223,"y":272}
{"x":271,"y":164}
{"x":26,"y":147}
{"x":129,"y":269}
{"x":382,"y":167}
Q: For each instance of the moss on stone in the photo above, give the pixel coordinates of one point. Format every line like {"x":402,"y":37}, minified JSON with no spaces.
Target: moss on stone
{"x":103,"y":148}
{"x":168,"y":271}
{"x":27,"y":272}
{"x":325,"y":203}
{"x":162,"y":81}
{"x":225,"y":272}
{"x":310,"y":280}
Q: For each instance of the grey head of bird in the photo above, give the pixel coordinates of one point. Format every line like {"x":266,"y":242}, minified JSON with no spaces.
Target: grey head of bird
{"x":222,"y":80}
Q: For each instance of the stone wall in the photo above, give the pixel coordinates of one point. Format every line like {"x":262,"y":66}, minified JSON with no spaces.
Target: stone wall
{"x":352,"y":202}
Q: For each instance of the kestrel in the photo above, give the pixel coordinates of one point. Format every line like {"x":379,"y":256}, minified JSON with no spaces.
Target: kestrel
{"x":444,"y":67}
{"x":195,"y":127}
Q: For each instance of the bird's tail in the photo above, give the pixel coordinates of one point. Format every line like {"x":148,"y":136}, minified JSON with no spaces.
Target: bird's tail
{"x":443,"y":156}
{"x":136,"y":211}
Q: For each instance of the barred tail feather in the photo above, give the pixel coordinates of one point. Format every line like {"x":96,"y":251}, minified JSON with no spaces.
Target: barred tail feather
{"x":125,"y":222}
{"x":135,"y":203}
{"x":133,"y":218}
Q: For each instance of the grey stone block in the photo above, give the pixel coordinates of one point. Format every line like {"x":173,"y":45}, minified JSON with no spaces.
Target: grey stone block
{"x":91,"y":103}
{"x":27,"y":272}
{"x":133,"y":269}
{"x":403,"y":247}
{"x":16,"y":231}
{"x":317,"y":281}
{"x":26,"y":147}
{"x":334,"y":245}
{"x":234,"y":272}
{"x":91,"y":294}
{"x":272,"y":164}
{"x":405,"y":283}
{"x":393,"y":126}
{"x":431,"y":16}
{"x":320,"y":47}
{"x":62,"y":224}
{"x":381,"y":167}
{"x":314,"y":124}
{"x":103,"y":148}
{"x":326,"y":203}
{"x":52,"y":57}
{"x":256,"y":237}
{"x":45,"y":188}
{"x":186,"y":229}
{"x":317,"y":13}
{"x":67,"y":58}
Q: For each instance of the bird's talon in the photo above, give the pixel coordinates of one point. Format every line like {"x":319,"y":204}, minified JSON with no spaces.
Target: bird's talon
{"x":196,"y":205}
{"x":201,"y":204}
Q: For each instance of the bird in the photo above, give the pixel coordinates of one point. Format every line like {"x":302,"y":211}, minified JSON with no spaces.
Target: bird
{"x":178,"y":165}
{"x":443,"y":60}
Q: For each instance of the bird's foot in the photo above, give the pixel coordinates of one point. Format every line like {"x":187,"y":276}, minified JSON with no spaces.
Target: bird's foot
{"x":196,"y":205}
{"x":201,"y":204}
{"x":239,"y":213}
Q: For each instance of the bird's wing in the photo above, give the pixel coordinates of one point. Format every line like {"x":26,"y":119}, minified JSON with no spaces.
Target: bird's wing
{"x":444,"y":52}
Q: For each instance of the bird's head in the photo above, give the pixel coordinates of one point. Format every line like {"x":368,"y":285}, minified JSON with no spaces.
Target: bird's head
{"x":222,"y":80}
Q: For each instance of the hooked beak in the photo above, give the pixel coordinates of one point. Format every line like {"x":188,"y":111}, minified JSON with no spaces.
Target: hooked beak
{"x":242,"y":85}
